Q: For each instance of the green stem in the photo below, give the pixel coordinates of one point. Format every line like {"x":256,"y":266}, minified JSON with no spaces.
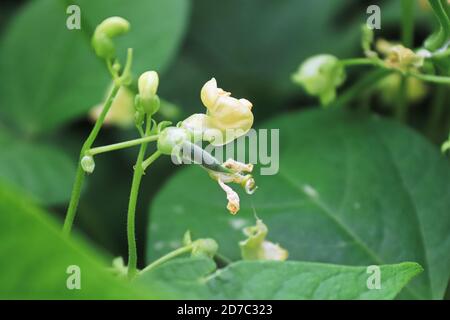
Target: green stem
{"x":441,"y":54}
{"x":438,"y":39}
{"x":79,"y":178}
{"x":167,"y":257}
{"x":121,"y":145}
{"x":360,"y":62}
{"x":222,"y":259}
{"x":150,"y":160}
{"x":401,"y":111}
{"x":437,"y":109}
{"x":408,"y":23}
{"x":131,"y":215}
{"x":431,"y":78}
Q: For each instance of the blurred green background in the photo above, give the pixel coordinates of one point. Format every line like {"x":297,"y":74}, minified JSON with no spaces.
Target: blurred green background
{"x":50,"y":79}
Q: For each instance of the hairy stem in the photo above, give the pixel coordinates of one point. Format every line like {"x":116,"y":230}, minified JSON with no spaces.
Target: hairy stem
{"x":79,"y":178}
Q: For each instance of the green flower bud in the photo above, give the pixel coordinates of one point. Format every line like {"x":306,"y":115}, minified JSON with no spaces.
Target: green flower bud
{"x":148,"y":86}
{"x":88,"y":164}
{"x":171,"y":140}
{"x":320,"y":76}
{"x":103,"y":34}
{"x":113,"y":26}
{"x":204,"y":247}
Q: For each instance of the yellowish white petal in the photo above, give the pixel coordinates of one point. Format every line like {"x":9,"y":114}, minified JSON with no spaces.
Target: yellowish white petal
{"x":232,"y":197}
{"x":238,"y":166}
{"x":227,"y":118}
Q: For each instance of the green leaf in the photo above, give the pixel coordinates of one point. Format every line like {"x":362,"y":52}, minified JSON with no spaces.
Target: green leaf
{"x":351,"y":189}
{"x":34,"y":258}
{"x":40,"y":170}
{"x":51,"y":75}
{"x":194,"y":279}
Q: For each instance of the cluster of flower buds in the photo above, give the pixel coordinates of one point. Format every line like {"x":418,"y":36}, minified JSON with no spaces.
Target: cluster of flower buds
{"x":256,"y":247}
{"x":320,"y":76}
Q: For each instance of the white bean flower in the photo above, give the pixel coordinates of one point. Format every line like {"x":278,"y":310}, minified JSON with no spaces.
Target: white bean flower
{"x":226,"y":118}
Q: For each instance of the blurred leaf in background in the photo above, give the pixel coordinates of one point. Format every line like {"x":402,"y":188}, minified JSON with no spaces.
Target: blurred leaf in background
{"x":254,"y":46}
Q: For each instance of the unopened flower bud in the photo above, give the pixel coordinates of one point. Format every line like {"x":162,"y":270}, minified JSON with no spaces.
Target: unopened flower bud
{"x":171,"y":140}
{"x":103,"y":34}
{"x":88,"y":164}
{"x":148,"y":86}
{"x":321,"y":75}
{"x":204,"y":247}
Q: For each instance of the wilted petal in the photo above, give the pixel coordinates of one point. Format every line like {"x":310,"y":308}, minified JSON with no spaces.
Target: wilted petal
{"x":238,"y":166}
{"x":232,"y":197}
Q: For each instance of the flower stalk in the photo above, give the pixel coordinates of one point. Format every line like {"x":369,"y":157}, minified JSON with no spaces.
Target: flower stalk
{"x":80,"y":174}
{"x":131,"y":214}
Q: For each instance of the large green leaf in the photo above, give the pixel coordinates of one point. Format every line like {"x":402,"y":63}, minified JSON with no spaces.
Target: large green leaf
{"x":34,"y":258}
{"x":51,"y":75}
{"x":195,"y":279}
{"x":351,"y":189}
{"x":40,"y":170}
